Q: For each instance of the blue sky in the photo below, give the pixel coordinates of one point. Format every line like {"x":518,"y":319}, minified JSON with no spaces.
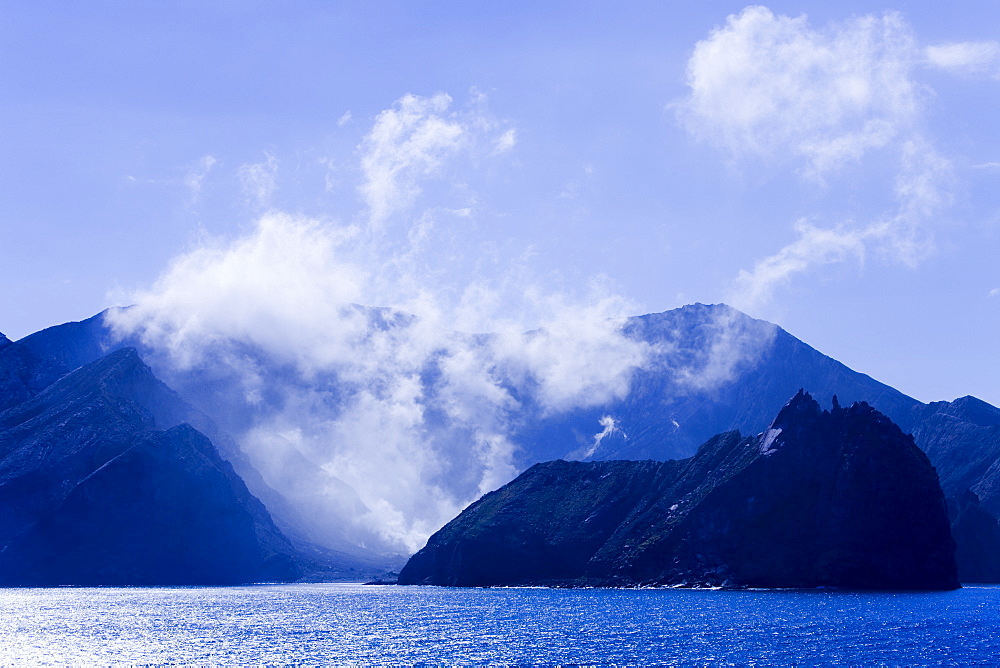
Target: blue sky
{"x":831,"y":167}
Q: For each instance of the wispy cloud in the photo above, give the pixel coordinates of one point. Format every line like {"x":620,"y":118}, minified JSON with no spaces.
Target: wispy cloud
{"x":814,"y":247}
{"x":505,"y":142}
{"x":407,"y":144}
{"x":197,"y":174}
{"x":259,"y":181}
{"x":410,"y":144}
{"x":973,"y":58}
{"x":773,"y":88}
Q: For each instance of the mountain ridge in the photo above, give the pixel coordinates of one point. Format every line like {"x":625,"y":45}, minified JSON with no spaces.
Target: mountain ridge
{"x":713,"y":370}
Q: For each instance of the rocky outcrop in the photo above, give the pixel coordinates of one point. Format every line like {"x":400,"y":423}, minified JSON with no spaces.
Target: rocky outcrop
{"x":94,"y":492}
{"x":838,"y":498}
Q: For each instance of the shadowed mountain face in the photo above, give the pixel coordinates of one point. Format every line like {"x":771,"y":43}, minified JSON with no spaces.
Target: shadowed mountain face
{"x":837,"y":498}
{"x":93,"y":492}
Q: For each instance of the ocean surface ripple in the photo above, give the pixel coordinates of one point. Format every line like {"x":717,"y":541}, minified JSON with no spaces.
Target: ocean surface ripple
{"x":356,"y":624}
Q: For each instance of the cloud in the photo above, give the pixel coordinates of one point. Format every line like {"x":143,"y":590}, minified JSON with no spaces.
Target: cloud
{"x":197,"y":173}
{"x":406,"y":144}
{"x":771,"y":86}
{"x":505,"y":142}
{"x":384,"y":422}
{"x":416,"y":141}
{"x":274,"y":287}
{"x":344,"y":119}
{"x":259,"y":181}
{"x":966,"y":57}
{"x":995,"y":292}
{"x":814,"y":246}
{"x":921,"y":191}
{"x":733,"y":342}
{"x":413,"y":416}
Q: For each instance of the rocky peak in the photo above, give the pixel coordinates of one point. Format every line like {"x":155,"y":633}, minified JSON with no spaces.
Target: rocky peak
{"x":798,"y":417}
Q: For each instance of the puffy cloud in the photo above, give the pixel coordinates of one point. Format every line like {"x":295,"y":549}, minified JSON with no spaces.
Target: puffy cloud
{"x":579,"y":358}
{"x":385,"y":422}
{"x":733,"y":342}
{"x":276,"y":287}
{"x":770,"y":85}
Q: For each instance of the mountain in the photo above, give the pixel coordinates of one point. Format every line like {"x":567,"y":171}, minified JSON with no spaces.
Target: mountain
{"x":711,"y":370}
{"x":60,"y":349}
{"x":838,"y":498}
{"x":962,"y":438}
{"x":717,"y":370}
{"x":95,"y":492}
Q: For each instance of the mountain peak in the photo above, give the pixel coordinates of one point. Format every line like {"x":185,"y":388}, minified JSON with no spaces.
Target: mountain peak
{"x":801,"y":408}
{"x":976,"y":411}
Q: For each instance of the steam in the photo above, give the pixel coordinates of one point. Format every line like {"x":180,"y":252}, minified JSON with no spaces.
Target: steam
{"x":379,"y":423}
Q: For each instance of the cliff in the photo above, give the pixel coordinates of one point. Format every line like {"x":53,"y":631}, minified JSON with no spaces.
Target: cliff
{"x":838,"y":498}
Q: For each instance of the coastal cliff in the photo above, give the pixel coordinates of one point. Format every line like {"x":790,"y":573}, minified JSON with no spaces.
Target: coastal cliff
{"x":838,"y":498}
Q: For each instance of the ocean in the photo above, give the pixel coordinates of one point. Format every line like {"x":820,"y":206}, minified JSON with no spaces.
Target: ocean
{"x":358,"y":624}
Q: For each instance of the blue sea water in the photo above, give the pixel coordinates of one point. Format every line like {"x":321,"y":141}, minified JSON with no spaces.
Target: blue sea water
{"x":356,"y":624}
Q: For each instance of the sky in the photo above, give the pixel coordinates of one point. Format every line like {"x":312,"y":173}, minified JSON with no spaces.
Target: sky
{"x":830,"y":167}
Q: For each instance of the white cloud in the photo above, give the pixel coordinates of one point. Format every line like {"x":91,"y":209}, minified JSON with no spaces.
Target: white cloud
{"x":772,"y":86}
{"x":505,"y":142}
{"x":921,"y":190}
{"x":814,"y":247}
{"x":344,"y":119}
{"x":407,"y":144}
{"x":966,"y":57}
{"x":274,"y":287}
{"x":259,"y":181}
{"x":579,"y":358}
{"x":197,"y":173}
{"x":413,"y":417}
{"x":995,"y":292}
{"x":609,"y":426}
{"x":421,"y":139}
